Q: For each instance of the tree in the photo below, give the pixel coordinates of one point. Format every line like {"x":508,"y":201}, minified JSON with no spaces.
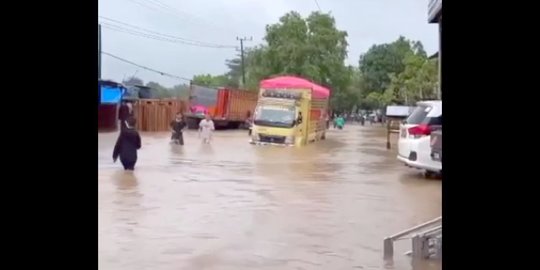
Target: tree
{"x":158,"y":90}
{"x":384,"y":59}
{"x":418,"y":81}
{"x":310,"y":47}
{"x":133,"y":81}
{"x":257,"y":67}
{"x":211,"y":81}
{"x":234,"y":75}
{"x":180,"y":91}
{"x":426,"y":80}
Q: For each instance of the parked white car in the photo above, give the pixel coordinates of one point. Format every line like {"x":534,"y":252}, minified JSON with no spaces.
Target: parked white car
{"x":414,"y":144}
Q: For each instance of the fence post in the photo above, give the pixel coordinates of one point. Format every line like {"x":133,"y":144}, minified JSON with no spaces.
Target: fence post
{"x":416,"y":246}
{"x":388,"y":247}
{"x":439,"y":249}
{"x":420,"y":247}
{"x":388,"y":125}
{"x":388,"y":140}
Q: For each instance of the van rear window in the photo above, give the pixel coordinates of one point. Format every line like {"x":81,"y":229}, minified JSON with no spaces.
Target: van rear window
{"x":421,"y":115}
{"x":418,"y":115}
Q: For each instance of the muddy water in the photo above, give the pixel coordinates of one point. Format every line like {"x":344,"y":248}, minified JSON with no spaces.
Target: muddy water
{"x":231,"y":205}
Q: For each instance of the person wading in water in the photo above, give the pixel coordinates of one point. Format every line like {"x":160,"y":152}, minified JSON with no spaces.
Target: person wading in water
{"x":206,"y":126}
{"x":177,"y":127}
{"x":340,"y":122}
{"x":129,"y":141}
{"x":124,"y":113}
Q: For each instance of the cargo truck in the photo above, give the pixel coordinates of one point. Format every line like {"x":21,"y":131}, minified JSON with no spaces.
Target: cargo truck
{"x":228,"y":108}
{"x":291,"y":111}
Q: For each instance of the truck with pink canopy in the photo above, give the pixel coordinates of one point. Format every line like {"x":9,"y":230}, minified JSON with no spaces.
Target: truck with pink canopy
{"x":290,"y":111}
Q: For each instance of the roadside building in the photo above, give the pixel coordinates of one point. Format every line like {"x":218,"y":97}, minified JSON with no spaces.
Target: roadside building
{"x":109,"y":97}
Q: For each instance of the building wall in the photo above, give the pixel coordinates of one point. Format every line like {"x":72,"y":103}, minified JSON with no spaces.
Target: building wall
{"x":434,"y":10}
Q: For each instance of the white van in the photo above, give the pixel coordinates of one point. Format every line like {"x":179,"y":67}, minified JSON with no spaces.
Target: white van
{"x":414,"y":144}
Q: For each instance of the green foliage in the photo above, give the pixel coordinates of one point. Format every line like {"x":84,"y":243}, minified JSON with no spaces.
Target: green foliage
{"x":384,"y":59}
{"x":397,"y":73}
{"x":180,"y":91}
{"x":211,"y":81}
{"x":310,"y":47}
{"x":418,"y":81}
{"x":393,"y":73}
{"x":158,"y":90}
{"x":131,"y":81}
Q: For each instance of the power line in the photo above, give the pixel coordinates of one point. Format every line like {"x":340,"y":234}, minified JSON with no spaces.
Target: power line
{"x":147,"y":6}
{"x":159,"y":35}
{"x":140,"y":34}
{"x":159,"y":6}
{"x":317,"y":3}
{"x":159,"y":3}
{"x":180,"y":12}
{"x":159,"y":38}
{"x":146,"y":30}
{"x":144,"y":67}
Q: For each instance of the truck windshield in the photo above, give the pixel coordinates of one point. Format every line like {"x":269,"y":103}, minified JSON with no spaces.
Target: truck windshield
{"x":275,"y":116}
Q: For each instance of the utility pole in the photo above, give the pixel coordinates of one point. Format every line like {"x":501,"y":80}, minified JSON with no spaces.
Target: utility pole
{"x":242,"y":57}
{"x":99,"y":51}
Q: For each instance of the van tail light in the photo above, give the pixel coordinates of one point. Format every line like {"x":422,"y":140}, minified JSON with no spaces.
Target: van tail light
{"x":419,"y":131}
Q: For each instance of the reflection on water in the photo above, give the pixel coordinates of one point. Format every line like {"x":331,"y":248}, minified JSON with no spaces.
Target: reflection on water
{"x":232,"y":205}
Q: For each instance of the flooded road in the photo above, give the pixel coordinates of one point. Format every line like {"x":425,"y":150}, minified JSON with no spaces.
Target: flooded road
{"x":232,"y":205}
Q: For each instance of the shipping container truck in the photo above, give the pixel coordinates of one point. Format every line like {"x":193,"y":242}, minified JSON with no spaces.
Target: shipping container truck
{"x":291,"y":111}
{"x":228,"y":108}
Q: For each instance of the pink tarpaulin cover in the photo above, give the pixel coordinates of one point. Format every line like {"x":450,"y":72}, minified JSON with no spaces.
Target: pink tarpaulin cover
{"x":198,"y":109}
{"x":295,"y":82}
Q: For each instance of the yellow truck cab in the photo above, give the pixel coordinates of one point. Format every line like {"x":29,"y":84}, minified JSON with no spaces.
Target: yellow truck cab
{"x":290,"y":111}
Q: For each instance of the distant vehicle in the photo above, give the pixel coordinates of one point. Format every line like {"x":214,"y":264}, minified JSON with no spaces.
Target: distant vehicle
{"x":414,"y":144}
{"x":290,"y":111}
{"x":227,"y":107}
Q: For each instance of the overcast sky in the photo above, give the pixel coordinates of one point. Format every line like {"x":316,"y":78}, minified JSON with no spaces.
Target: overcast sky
{"x":367,"y":22}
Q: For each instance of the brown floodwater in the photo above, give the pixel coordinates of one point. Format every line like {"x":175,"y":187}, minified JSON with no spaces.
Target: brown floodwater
{"x":232,"y":205}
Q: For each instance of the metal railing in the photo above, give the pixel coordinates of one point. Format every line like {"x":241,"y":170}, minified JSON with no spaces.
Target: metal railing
{"x":427,"y":244}
{"x":421,"y":235}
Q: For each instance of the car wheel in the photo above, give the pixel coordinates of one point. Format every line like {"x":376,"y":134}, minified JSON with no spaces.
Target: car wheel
{"x":429,"y":174}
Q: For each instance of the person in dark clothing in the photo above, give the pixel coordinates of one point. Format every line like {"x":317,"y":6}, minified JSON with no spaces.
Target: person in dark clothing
{"x":129,"y":141}
{"x":124,"y":113}
{"x":299,"y":119}
{"x":177,"y":127}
